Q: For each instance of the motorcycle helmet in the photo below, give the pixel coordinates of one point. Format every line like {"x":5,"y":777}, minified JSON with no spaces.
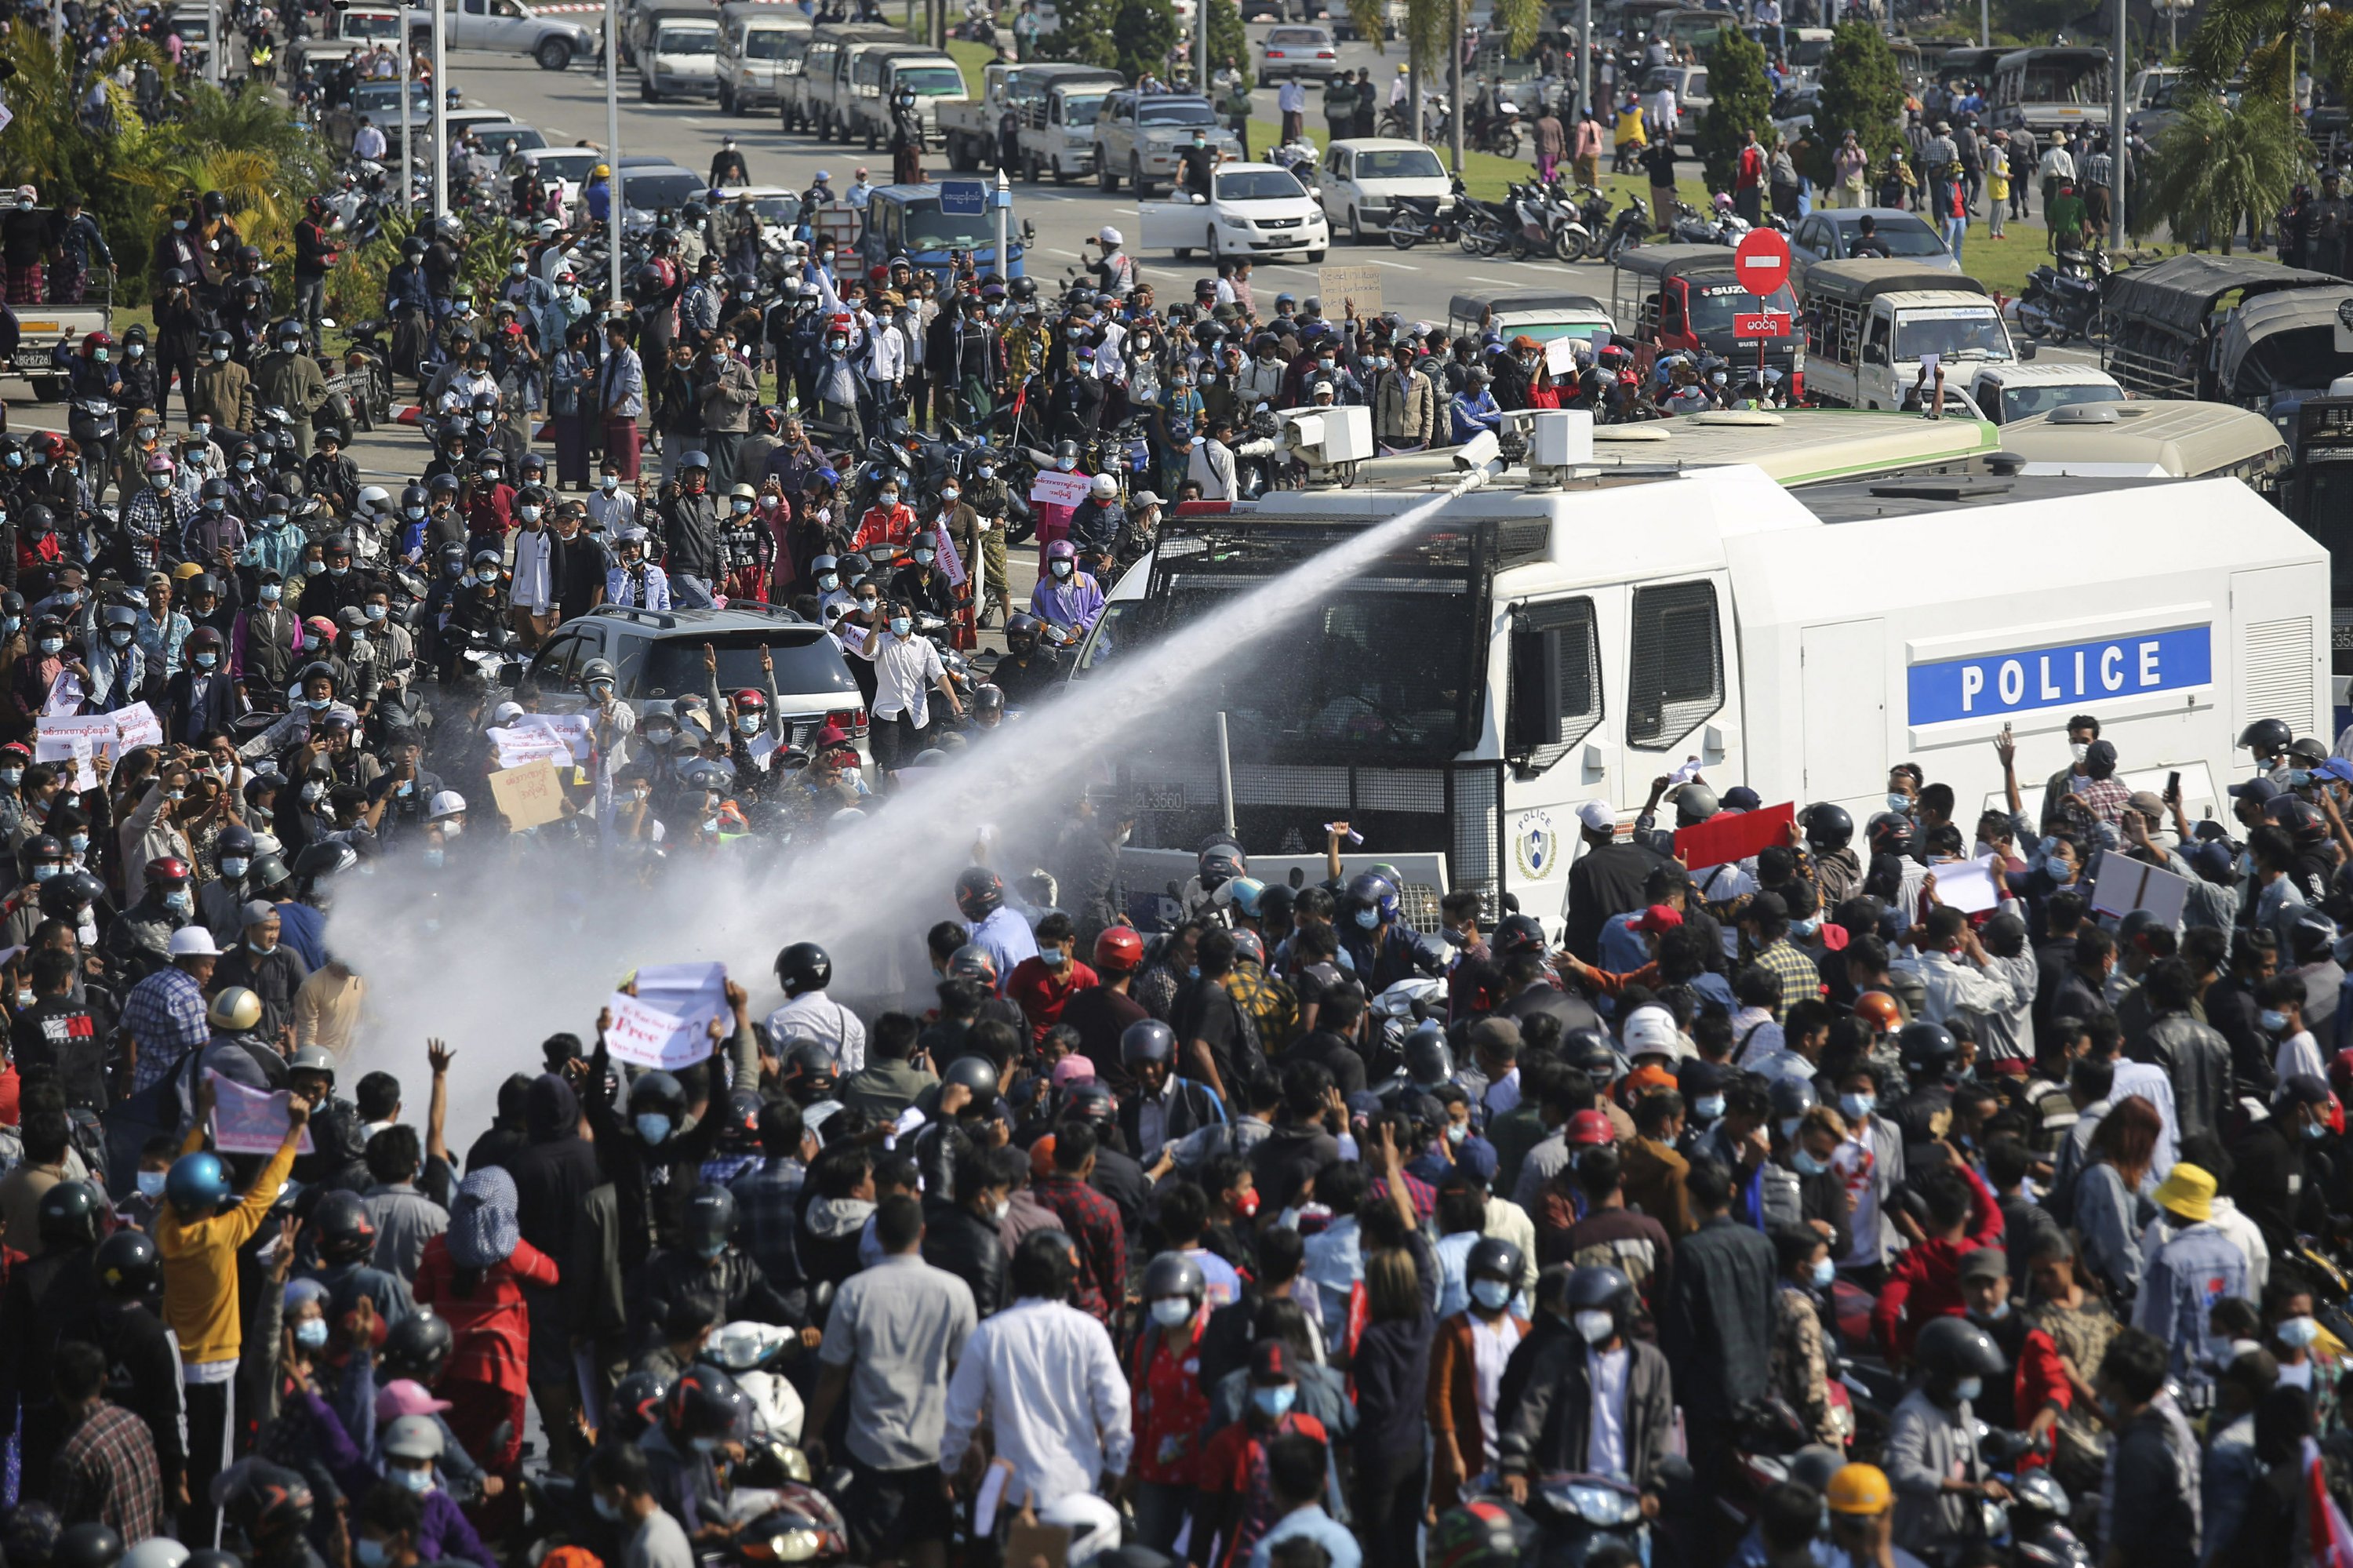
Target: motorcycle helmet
{"x":1119,"y":951}
{"x":1927,"y":1049}
{"x":127,"y":1264}
{"x":710,"y":1220}
{"x":1171,"y":1275}
{"x":1377,"y":894}
{"x":1694,"y":804}
{"x":1484,"y":1533}
{"x":1829,"y":828}
{"x":803,"y":1527}
{"x":1493,"y":1257}
{"x":1952,"y":1348}
{"x":803,"y":966}
{"x":68,"y":1216}
{"x":1147,"y":1040}
{"x":417,"y":1347}
{"x":979,"y":893}
{"x":2265,"y":737}
{"x":346,"y":1231}
{"x":1589,"y":1052}
{"x":87,"y":1545}
{"x":198,"y":1183}
{"x":1600,"y":1289}
{"x":1516,"y":934}
{"x":973,"y":962}
{"x":634,"y":1406}
{"x":703,"y":1408}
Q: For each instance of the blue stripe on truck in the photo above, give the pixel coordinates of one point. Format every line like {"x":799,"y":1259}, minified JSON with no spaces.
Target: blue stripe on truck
{"x":2063,"y":674}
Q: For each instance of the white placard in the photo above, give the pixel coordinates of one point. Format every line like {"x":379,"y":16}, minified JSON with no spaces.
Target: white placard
{"x":65,"y":696}
{"x":646,"y":1036}
{"x":2121,"y":884}
{"x":53,"y":738}
{"x":762,"y":749}
{"x":85,"y":775}
{"x":137,"y":726}
{"x":519,"y":745}
{"x":1967,"y":885}
{"x":1055,"y":488}
{"x":250,"y":1121}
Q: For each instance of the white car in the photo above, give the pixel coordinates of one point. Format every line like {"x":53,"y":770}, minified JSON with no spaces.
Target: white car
{"x":508,"y":27}
{"x":1363,"y":179}
{"x":1252,"y":209}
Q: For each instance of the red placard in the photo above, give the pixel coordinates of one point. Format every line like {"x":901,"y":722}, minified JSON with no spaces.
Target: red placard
{"x":1761,"y":262}
{"x":1764,"y":324}
{"x":1729,"y":835}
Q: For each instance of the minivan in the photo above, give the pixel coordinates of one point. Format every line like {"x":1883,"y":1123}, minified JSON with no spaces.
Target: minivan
{"x":753,"y":39}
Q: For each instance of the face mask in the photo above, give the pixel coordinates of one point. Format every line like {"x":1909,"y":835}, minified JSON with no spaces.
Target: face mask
{"x":1967,"y":1389}
{"x":828,"y":581}
{"x":2297,"y":1334}
{"x":1065,"y":464}
{"x":434,"y":857}
{"x":45,"y":871}
{"x":180,"y":902}
{"x":1708,"y":1107}
{"x":220,"y":356}
{"x":652,"y":1126}
{"x":1457,"y":1131}
{"x":1170,"y":1311}
{"x":607,"y":1508}
{"x":1858,"y":1106}
{"x":418,"y":1481}
{"x":313,"y":791}
{"x":311,"y":1333}
{"x":488,"y":579}
{"x":1368,"y":918}
{"x":900,"y":625}
{"x":1806,"y":1164}
{"x":371,"y":1554}
{"x":1899,"y":804}
{"x":1491,"y":1293}
{"x":988,"y":471}
{"x":948,"y":498}
{"x":151,"y":1185}
{"x":2272,"y":1019}
{"x":660,"y":736}
{"x":234,"y":865}
{"x":2315,"y":1130}
{"x":53,"y":645}
{"x":610,"y":483}
{"x":706,"y":1445}
{"x":11,"y":777}
{"x":890,"y":498}
{"x":271,"y":593}
{"x":77,"y":842}
{"x":1274,"y":1403}
{"x":1594,"y":1327}
{"x":1064,"y":569}
{"x":1824,"y":1273}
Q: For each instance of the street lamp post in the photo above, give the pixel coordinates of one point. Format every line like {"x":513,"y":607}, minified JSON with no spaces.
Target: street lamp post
{"x":212,"y":38}
{"x":440,"y":111}
{"x":2116,"y":132}
{"x":1004,"y":204}
{"x":407,"y":148}
{"x":613,"y":208}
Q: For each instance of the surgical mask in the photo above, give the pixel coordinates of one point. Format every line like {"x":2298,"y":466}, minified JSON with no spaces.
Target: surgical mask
{"x":53,"y":645}
{"x":46,"y":870}
{"x":890,"y":498}
{"x":119,"y":637}
{"x":180,"y":901}
{"x":1274,"y":1403}
{"x":2297,"y":1334}
{"x":1856,"y":1108}
{"x":900,"y":625}
{"x":1824,"y":1274}
{"x":1594,"y":1327}
{"x":234,"y":865}
{"x":1789,"y":1125}
{"x":749,"y":724}
{"x":11,"y":777}
{"x":271,"y":593}
{"x":371,"y":1554}
{"x":1708,"y":1107}
{"x":488,"y":579}
{"x":1996,"y":1313}
{"x":220,"y":356}
{"x":311,"y":1333}
{"x":2272,"y":1019}
{"x":339,"y":568}
{"x":652,"y":1126}
{"x":1065,"y":464}
{"x":1170,"y":1311}
{"x":77,"y":842}
{"x":1806,"y":1164}
{"x":216,"y":505}
{"x":311,"y":569}
{"x":1053,"y":957}
{"x":610,"y":483}
{"x":159,"y":480}
{"x":923,"y":558}
{"x":2315,"y":1130}
{"x":418,"y":1481}
{"x":1064,"y":569}
{"x":1967,"y":1389}
{"x":201,"y":429}
{"x":1457,"y":1131}
{"x":179,"y":226}
{"x":1899,"y":804}
{"x":948,"y":497}
{"x":151,"y":1185}
{"x":311,"y":791}
{"x":607,"y":1508}
{"x":434,"y":857}
{"x":378,"y":611}
{"x":1368,"y":918}
{"x":1491,"y":1293}
{"x":988,"y":471}
{"x":529,"y":514}
{"x":828,"y":581}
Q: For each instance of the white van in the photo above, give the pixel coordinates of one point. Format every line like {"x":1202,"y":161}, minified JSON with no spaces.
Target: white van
{"x":681,"y":57}
{"x":753,"y":43}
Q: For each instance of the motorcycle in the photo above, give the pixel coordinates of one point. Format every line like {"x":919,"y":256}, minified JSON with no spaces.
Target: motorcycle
{"x":2063,"y":301}
{"x":1581,"y":1514}
{"x":1527,"y":230}
{"x":1564,"y":220}
{"x":1628,"y":231}
{"x":1486,"y":226}
{"x":2037,"y":1513}
{"x":1413,"y":220}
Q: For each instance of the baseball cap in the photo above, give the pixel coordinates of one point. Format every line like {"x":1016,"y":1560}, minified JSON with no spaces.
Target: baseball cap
{"x":1494,"y":1031}
{"x":1657,"y":918}
{"x":2146,"y":803}
{"x":1271,"y":1362}
{"x":1740,"y":797}
{"x":403,"y":1397}
{"x":1598,"y":817}
{"x":2335,"y":767}
{"x":1986,"y":1263}
{"x":2301,"y":1089}
{"x":2262,"y":791}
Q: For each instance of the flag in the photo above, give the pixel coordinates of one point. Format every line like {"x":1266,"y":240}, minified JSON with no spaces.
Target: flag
{"x":2331,"y":1537}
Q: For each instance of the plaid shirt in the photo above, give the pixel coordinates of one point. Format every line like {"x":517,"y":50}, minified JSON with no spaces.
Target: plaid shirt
{"x":2107,"y":798}
{"x":107,"y":1473}
{"x":1800,"y":977}
{"x":767,"y":1208}
{"x":1092,"y":1222}
{"x":1419,"y":1193}
{"x":1273,"y":1004}
{"x":165,"y":1014}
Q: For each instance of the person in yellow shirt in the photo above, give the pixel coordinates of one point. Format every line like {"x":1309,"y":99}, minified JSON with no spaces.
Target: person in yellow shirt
{"x":1626,"y":134}
{"x":197,"y":1240}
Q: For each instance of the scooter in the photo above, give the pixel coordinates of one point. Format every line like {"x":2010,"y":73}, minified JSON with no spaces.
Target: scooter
{"x":2062,"y":302}
{"x":1581,"y":1514}
{"x":1631,"y":227}
{"x":1413,"y":220}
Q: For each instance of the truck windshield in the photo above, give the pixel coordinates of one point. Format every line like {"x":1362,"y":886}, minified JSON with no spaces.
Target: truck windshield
{"x":929,"y":229}
{"x":1955,"y":332}
{"x":933,"y":81}
{"x":2024,"y":402}
{"x":688,"y":41}
{"x":370,"y":25}
{"x":805,"y":664}
{"x":1258,"y":184}
{"x":1713,"y":305}
{"x":1400,"y":163}
{"x":2065,"y":81}
{"x":1178,"y":112}
{"x":765,"y":43}
{"x":1082,"y":111}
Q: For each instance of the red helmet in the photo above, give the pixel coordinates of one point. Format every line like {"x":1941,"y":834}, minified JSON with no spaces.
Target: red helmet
{"x":97,"y":340}
{"x":167,"y":868}
{"x":1119,"y":950}
{"x":1590,"y":1129}
{"x":748,"y":698}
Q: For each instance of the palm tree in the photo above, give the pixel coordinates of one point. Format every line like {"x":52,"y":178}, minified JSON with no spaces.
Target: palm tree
{"x":2215,"y":165}
{"x":1433,"y":31}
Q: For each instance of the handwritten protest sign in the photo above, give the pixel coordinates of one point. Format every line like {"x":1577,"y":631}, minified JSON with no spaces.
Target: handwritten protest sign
{"x":137,"y":726}
{"x":65,"y":695}
{"x":529,"y":796}
{"x":645,"y":1035}
{"x":1345,"y":286}
{"x":1053,"y":488}
{"x":85,"y":772}
{"x":519,"y":747}
{"x":249,"y":1121}
{"x":2121,"y":884}
{"x":53,"y":738}
{"x":576,"y":730}
{"x":693,"y":993}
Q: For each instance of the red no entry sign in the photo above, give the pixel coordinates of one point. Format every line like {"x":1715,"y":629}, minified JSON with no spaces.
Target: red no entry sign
{"x":1761,"y":262}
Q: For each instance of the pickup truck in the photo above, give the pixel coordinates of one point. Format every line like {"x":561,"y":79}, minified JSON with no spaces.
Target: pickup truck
{"x":810,"y":70}
{"x":47,"y":336}
{"x":507,"y":27}
{"x":973,"y":132}
{"x":875,"y":78}
{"x":825,"y":85}
{"x":345,"y":34}
{"x":1058,"y":130}
{"x":1138,"y":135}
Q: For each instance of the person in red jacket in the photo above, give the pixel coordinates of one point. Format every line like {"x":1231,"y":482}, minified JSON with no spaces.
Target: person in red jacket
{"x":473,"y":1274}
{"x":2039,"y":1391}
{"x":1748,"y":180}
{"x":1233,"y":1501}
{"x":1040,"y":986}
{"x":1962,"y":1217}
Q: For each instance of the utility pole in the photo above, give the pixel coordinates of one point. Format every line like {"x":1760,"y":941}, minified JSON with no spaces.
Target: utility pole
{"x":2116,"y":131}
{"x":212,"y":40}
{"x":1584,"y":55}
{"x":440,"y":111}
{"x":1455,"y":88}
{"x":613,"y":207}
{"x":1201,"y":46}
{"x":407,"y":152}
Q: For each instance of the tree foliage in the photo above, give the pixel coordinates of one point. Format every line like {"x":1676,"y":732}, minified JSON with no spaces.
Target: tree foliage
{"x":1143,"y":32}
{"x":1741,"y":100}
{"x":1862,"y":91}
{"x":2243,"y":37}
{"x":1083,"y":33}
{"x":1227,"y":39}
{"x":2215,"y":164}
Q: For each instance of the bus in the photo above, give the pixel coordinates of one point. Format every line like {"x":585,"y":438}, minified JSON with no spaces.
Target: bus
{"x":2049,"y":89}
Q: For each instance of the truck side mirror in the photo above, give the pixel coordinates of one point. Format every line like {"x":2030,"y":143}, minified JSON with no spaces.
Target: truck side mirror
{"x":1535,"y":718}
{"x":2029,"y":349}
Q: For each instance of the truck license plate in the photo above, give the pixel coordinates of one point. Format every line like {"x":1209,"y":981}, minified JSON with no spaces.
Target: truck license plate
{"x":1163,"y":798}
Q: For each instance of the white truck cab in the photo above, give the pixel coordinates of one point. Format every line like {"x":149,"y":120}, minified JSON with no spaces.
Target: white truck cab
{"x":2007,"y":392}
{"x":1873,"y":326}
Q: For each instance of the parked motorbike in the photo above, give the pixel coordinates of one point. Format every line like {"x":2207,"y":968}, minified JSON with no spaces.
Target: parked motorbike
{"x":2038,"y":1511}
{"x":2063,"y":300}
{"x":1413,"y":220}
{"x":1629,"y":228}
{"x":1564,"y":219}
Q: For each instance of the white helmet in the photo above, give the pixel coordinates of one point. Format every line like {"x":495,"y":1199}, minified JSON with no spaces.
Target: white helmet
{"x":448,"y":803}
{"x":1102,"y":487}
{"x":376,"y":498}
{"x":155,"y":1551}
{"x":1093,"y":1525}
{"x":1108,"y":235}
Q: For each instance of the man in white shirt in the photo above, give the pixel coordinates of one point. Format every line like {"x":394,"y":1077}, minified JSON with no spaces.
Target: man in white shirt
{"x":531,"y":595}
{"x":907,"y":669}
{"x":622,"y":1481}
{"x":1211,"y":465}
{"x":860,"y":188}
{"x":1292,"y":99}
{"x":367,"y":143}
{"x":1662,"y":113}
{"x":1957,"y":973}
{"x":1046,"y":1379}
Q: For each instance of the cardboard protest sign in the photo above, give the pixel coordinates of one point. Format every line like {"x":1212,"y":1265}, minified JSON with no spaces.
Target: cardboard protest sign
{"x":520,"y":747}
{"x":530,"y":795}
{"x":249,"y":1121}
{"x":1729,"y":836}
{"x":2121,"y":884}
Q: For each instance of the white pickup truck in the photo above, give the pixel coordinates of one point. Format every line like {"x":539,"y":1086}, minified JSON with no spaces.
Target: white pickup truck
{"x":507,"y":27}
{"x":973,"y":131}
{"x":346,"y":33}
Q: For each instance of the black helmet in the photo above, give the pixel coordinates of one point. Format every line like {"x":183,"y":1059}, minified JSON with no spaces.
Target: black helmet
{"x":90,"y":1545}
{"x":127,"y":1264}
{"x":1428,"y":1062}
{"x":973,"y":962}
{"x":1590,"y":1050}
{"x":1089,"y":1101}
{"x":1792,"y":1098}
{"x":1954,"y":1347}
{"x":1495,"y":1259}
{"x":69,"y":895}
{"x":804,"y":967}
{"x":703,"y":1403}
{"x":658,"y":1092}
{"x":979,"y":893}
{"x":978,"y":1073}
{"x":346,"y":1231}
{"x":1828,"y":827}
{"x":417,"y":1346}
{"x":1600,"y":1289}
{"x":710,"y":1220}
{"x":267,"y":872}
{"x":1173,"y":1273}
{"x":1516,"y":934}
{"x":68,"y":1215}
{"x":635,"y":1405}
{"x":1483,"y":1533}
{"x":1147,"y":1040}
{"x":1927,"y":1049}
{"x":810,"y":1074}
{"x":324,"y":859}
{"x":268,"y":1503}
{"x":2266,"y":736}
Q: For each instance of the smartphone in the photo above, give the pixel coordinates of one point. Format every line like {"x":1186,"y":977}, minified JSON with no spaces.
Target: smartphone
{"x":2172,"y":787}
